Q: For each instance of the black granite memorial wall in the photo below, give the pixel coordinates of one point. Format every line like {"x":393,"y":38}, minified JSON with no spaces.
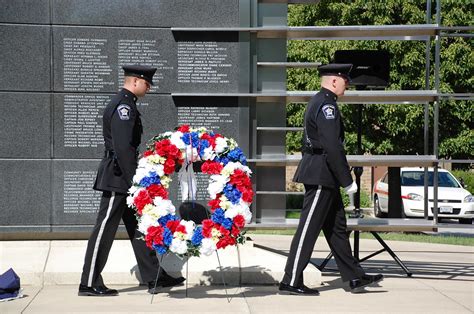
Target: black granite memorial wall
{"x":61,"y":64}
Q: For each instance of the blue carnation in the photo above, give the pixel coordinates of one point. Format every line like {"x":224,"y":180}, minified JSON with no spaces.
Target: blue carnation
{"x":191,"y":139}
{"x":222,"y":159}
{"x":186,"y":138}
{"x":197,"y":236}
{"x":160,"y":249}
{"x":167,"y":237}
{"x":152,"y":178}
{"x":232,"y":194}
{"x":235,"y":154}
{"x":164,"y":219}
{"x":227,"y":223}
{"x":218,"y":216}
{"x":202,"y":146}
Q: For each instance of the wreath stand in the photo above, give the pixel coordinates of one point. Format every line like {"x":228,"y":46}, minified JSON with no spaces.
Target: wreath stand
{"x":189,"y":179}
{"x":187,"y":274}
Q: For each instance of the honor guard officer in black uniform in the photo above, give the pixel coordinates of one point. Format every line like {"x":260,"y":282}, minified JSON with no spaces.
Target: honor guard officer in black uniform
{"x":323,"y":169}
{"x":122,"y":130}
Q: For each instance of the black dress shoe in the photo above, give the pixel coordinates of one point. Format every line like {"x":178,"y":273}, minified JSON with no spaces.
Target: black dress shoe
{"x":297,"y":290}
{"x":100,"y":291}
{"x":163,"y":282}
{"x":358,"y":285}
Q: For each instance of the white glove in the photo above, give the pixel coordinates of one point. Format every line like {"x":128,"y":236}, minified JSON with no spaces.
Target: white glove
{"x":351,"y":189}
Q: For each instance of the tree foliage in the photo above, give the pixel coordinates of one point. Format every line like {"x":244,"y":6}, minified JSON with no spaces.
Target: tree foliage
{"x":391,"y":129}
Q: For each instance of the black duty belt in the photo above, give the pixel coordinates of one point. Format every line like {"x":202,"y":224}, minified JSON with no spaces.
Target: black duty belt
{"x":111,"y":154}
{"x":313,"y":151}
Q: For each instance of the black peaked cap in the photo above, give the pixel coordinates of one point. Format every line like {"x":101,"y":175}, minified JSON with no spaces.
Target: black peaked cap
{"x":337,"y":69}
{"x":141,"y":71}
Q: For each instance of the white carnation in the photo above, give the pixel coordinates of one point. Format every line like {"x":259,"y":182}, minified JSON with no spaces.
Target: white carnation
{"x":178,"y":246}
{"x":139,"y":175}
{"x":207,"y":247}
{"x":177,"y":141}
{"x":247,"y":215}
{"x":142,"y":163}
{"x":133,"y":189}
{"x":216,"y":185}
{"x":145,"y":222}
{"x":208,"y":154}
{"x":163,"y":207}
{"x":189,"y":225}
{"x":221,"y":145}
{"x":232,"y":211}
{"x":130,"y":201}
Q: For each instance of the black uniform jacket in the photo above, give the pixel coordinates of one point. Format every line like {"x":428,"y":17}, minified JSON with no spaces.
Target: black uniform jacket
{"x":122,"y":130}
{"x":324,"y":161}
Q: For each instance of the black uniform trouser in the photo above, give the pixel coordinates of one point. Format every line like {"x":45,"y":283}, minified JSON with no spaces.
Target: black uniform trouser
{"x":113,"y":207}
{"x":322,"y":209}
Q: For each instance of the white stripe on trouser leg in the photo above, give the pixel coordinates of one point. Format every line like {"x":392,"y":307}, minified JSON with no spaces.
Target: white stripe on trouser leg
{"x":303,"y":234}
{"x":97,"y":241}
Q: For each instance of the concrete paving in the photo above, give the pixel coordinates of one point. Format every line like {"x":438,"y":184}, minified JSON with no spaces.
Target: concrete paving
{"x":442,"y":282}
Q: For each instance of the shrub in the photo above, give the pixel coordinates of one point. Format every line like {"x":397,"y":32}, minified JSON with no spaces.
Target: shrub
{"x":467,"y":177}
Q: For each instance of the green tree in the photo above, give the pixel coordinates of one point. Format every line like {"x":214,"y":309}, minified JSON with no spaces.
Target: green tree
{"x":391,"y":129}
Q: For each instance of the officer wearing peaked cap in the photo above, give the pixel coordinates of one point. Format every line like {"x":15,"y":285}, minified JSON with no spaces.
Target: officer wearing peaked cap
{"x":122,"y":130}
{"x":323,"y":169}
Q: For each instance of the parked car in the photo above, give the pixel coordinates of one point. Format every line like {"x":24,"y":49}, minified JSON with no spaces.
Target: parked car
{"x":453,"y":200}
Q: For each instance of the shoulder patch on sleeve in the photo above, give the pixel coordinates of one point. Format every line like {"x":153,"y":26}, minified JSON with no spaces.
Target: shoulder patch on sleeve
{"x":124,"y":112}
{"x":329,"y":111}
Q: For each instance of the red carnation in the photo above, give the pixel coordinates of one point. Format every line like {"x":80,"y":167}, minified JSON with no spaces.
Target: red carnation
{"x":240,"y":179}
{"x":215,"y":202}
{"x":172,"y":225}
{"x":210,"y":139}
{"x":247,"y":195}
{"x":141,"y":200}
{"x":181,"y":228}
{"x":225,"y":241}
{"x":169,"y":166}
{"x":155,"y":190}
{"x":161,"y":147}
{"x":173,"y":152}
{"x":224,"y":232}
{"x":211,"y":167}
{"x":239,"y":221}
{"x":207,"y":225}
{"x":154,"y":236}
{"x":235,"y":231}
{"x":147,"y":153}
{"x":184,"y":128}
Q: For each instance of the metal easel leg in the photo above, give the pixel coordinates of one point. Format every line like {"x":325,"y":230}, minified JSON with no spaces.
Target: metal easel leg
{"x":187,"y":274}
{"x":240,"y":265}
{"x":156,"y":280}
{"x":223,"y":279}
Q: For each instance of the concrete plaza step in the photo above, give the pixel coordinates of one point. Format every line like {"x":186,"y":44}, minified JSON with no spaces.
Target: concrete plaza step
{"x":60,"y":263}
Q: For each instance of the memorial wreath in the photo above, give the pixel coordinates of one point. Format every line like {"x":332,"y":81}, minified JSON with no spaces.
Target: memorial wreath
{"x":230,"y":192}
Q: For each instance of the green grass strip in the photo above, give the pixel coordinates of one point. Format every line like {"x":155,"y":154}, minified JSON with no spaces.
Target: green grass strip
{"x":388,"y":236}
